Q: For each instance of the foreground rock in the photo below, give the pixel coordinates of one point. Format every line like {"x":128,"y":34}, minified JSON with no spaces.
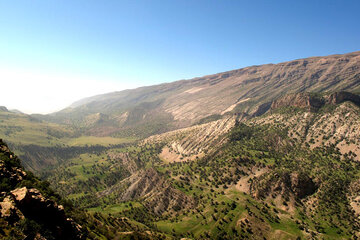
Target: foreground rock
{"x":25,"y":213}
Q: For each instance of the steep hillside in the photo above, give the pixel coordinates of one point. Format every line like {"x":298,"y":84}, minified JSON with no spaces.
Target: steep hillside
{"x":291,"y":173}
{"x":154,"y":109}
{"x":30,"y":209}
{"x":25,"y":212}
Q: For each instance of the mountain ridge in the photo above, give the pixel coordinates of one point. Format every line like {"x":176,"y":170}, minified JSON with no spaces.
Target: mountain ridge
{"x":186,"y":102}
{"x":88,"y":99}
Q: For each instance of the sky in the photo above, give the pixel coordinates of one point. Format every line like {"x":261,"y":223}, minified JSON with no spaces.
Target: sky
{"x":55,"y":52}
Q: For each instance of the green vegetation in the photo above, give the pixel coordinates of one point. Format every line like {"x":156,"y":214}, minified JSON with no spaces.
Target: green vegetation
{"x":41,"y":144}
{"x":299,"y":193}
{"x":267,"y":178}
{"x":210,"y":118}
{"x":103,"y":141}
{"x":94,"y":225}
{"x":24,"y":129}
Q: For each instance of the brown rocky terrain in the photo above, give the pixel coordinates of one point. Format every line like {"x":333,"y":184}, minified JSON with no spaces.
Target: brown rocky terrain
{"x":153,"y":190}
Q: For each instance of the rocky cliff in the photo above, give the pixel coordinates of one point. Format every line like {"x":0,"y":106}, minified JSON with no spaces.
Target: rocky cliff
{"x":26,"y":212}
{"x":313,"y":102}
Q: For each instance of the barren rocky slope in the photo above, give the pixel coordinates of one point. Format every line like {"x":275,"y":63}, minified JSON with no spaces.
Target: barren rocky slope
{"x":154,"y":109}
{"x":152,"y":190}
{"x":193,"y":142}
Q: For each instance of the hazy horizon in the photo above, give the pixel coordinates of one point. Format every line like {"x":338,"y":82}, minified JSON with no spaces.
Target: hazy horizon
{"x":55,"y":53}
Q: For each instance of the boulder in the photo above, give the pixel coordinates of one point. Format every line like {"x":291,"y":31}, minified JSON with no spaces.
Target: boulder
{"x":31,"y":204}
{"x":9,"y":211}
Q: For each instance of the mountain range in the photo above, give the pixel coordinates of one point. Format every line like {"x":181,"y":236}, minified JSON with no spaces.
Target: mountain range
{"x":262,"y":152}
{"x":148,"y":110}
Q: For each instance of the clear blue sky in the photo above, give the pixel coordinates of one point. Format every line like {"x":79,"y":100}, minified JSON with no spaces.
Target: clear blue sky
{"x":117,"y":44}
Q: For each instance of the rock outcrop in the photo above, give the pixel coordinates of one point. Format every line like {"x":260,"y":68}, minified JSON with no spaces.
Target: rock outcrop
{"x":11,"y":172}
{"x":22,"y":205}
{"x":313,"y":102}
{"x":340,"y":97}
{"x":9,"y":211}
{"x":301,"y":100}
{"x":27,"y":203}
